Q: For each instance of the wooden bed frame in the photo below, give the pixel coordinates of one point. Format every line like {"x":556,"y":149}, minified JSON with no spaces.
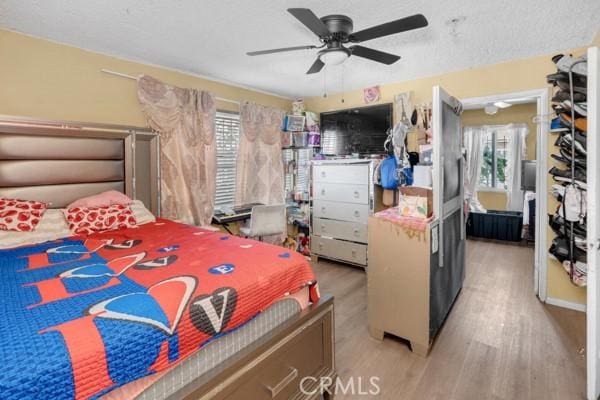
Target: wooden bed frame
{"x":271,"y":368}
{"x":274,"y":367}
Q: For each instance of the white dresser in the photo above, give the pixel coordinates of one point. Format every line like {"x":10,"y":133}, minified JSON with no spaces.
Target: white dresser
{"x":342,"y":200}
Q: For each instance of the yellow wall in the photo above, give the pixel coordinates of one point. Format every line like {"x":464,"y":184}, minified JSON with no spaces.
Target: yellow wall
{"x":43,"y":79}
{"x":516,"y":75}
{"x":519,"y":113}
{"x":492,"y":200}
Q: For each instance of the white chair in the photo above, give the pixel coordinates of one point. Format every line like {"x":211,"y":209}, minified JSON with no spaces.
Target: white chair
{"x":265,"y":221}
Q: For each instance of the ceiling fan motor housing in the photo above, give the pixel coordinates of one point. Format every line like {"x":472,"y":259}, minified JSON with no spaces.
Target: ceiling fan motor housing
{"x":336,"y":30}
{"x":340,"y":26}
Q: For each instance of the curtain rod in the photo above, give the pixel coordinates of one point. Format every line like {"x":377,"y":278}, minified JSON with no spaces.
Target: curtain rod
{"x":135,"y":78}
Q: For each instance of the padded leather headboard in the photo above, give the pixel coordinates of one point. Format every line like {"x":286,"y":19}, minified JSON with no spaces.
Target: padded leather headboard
{"x":59,"y":169}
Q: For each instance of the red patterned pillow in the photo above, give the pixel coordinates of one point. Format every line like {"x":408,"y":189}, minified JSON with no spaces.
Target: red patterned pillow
{"x":20,"y":215}
{"x":87,"y":220}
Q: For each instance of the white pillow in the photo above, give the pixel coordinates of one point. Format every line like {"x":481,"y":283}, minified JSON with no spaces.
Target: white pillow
{"x":141,"y":213}
{"x":52,"y":226}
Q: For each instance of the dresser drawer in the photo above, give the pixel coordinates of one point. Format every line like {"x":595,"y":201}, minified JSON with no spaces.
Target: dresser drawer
{"x":278,"y":375}
{"x":340,"y":229}
{"x":340,"y":250}
{"x":344,"y":192}
{"x":341,"y":173}
{"x":341,"y":211}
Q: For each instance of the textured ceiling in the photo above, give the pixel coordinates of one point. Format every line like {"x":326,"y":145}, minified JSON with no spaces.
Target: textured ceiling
{"x":210,"y":37}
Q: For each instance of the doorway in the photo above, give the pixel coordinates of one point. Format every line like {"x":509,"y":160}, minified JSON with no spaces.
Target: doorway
{"x":524,"y":102}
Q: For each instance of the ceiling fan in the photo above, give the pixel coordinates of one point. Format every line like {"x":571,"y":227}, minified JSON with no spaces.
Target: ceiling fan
{"x":336,"y":30}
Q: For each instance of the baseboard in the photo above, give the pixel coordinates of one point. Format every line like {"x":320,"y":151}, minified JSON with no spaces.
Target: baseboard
{"x":566,"y":304}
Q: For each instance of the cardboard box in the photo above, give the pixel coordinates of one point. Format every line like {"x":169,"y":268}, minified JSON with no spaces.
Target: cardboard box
{"x":420,"y":192}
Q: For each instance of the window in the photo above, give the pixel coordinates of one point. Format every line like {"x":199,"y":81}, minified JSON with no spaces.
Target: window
{"x":227,"y":135}
{"x":494,"y":163}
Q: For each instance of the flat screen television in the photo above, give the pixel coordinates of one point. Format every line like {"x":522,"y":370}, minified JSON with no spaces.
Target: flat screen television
{"x":360,"y":130}
{"x":528,"y":173}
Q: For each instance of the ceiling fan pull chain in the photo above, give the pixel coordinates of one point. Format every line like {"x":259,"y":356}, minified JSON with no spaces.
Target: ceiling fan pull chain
{"x":342,"y":83}
{"x":325,"y":82}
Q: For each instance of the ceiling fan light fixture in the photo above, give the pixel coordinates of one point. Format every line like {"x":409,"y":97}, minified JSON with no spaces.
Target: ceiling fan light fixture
{"x":502,"y":104}
{"x":490,"y":109}
{"x":334,"y":56}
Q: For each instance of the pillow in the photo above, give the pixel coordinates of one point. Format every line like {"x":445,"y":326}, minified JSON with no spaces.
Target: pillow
{"x":88,"y":220}
{"x":52,"y":226}
{"x":108,"y":198}
{"x":20,"y":215}
{"x":141,"y":213}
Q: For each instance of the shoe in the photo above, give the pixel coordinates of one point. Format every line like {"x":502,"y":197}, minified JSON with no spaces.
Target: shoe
{"x":580,"y":123}
{"x":557,"y":126}
{"x":560,"y":108}
{"x":579,"y":273}
{"x":560,"y":249}
{"x":557,"y":223}
{"x":578,"y":80}
{"x":562,"y":175}
{"x":564,"y":64}
{"x":566,"y":86}
{"x":581,"y":242}
{"x":563,"y":95}
{"x":580,"y":108}
{"x":566,"y":159}
{"x":558,"y":191}
{"x":580,"y":140}
{"x":565,"y":152}
{"x":565,"y":139}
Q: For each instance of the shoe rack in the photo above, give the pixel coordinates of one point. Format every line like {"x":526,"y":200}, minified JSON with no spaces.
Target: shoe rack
{"x":569,"y":222}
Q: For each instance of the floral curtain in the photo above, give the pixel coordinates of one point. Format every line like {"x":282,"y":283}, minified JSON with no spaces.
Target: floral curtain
{"x":185,"y":119}
{"x":259,"y":175}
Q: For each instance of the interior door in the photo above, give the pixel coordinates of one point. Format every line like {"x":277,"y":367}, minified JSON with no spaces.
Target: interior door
{"x":448,"y":189}
{"x":593,"y":223}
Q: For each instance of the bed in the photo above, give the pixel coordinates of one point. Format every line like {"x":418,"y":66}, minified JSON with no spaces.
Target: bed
{"x":161,"y":310}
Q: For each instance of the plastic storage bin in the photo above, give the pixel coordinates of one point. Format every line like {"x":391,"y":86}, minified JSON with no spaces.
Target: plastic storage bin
{"x":497,"y":225}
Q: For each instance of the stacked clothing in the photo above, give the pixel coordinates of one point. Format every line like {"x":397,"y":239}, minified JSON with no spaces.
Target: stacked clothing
{"x":570,"y":126}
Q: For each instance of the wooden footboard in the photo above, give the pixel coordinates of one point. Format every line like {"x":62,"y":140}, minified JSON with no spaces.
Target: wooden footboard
{"x":293,"y":362}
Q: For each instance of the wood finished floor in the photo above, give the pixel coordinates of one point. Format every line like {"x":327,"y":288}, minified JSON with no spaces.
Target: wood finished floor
{"x":499,"y":341}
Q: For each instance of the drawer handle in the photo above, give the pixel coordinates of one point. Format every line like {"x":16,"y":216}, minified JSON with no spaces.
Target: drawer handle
{"x":284,"y":382}
{"x":353,"y":253}
{"x":323,"y":192}
{"x":323,"y":227}
{"x":356,"y":214}
{"x":356,"y":194}
{"x":320,"y":245}
{"x":356,"y":232}
{"x":323,"y":174}
{"x":323,"y":210}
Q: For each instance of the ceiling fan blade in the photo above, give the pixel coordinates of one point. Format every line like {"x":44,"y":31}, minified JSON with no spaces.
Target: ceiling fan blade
{"x":261,"y":52}
{"x":316,"y":67}
{"x":375,"y":55}
{"x":400,"y":25}
{"x":311,"y":21}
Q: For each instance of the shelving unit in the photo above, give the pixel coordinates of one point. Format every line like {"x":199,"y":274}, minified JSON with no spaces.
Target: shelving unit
{"x":296,"y":164}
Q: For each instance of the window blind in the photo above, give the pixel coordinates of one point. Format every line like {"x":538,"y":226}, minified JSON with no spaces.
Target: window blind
{"x":227,"y":135}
